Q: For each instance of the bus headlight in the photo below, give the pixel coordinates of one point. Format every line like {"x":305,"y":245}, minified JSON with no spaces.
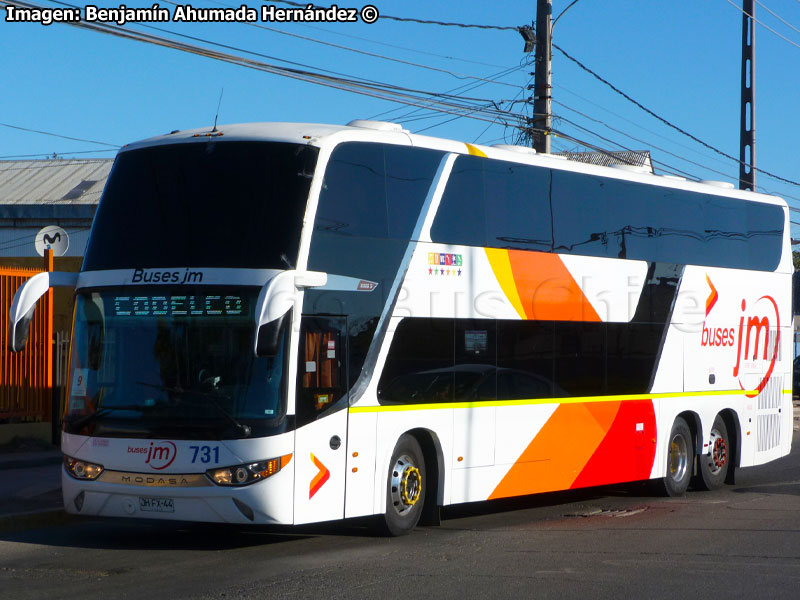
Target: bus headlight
{"x":248,"y":473}
{"x":81,"y":469}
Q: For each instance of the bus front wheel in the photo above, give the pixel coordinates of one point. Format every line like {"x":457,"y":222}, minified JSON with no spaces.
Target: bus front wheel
{"x":680,"y":455}
{"x":405,"y":489}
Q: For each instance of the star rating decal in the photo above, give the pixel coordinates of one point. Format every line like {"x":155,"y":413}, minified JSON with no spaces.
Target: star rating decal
{"x":445,"y":265}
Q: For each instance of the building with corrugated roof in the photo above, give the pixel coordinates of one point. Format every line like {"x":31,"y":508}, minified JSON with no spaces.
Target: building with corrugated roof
{"x":633,"y":158}
{"x":38,"y":193}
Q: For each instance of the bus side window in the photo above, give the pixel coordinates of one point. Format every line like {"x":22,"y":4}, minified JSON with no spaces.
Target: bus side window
{"x":321,"y":375}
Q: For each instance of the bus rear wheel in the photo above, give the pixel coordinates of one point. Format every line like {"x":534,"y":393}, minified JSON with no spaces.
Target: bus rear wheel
{"x":680,"y":452}
{"x":405,"y":489}
{"x":712,"y":468}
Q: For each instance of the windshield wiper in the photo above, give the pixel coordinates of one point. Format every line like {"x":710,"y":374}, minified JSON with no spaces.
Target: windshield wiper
{"x":244,"y":429}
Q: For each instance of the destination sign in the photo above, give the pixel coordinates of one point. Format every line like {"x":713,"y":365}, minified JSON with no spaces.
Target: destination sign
{"x":183,"y":305}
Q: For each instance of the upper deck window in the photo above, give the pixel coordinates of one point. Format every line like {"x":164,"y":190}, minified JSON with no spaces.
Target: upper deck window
{"x":508,"y":205}
{"x":497,"y":204}
{"x":209,"y":204}
{"x":375,"y":190}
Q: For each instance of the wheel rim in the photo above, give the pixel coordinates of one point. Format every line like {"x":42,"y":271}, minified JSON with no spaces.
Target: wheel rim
{"x":678,"y":457}
{"x":718,"y":454}
{"x":406,"y":485}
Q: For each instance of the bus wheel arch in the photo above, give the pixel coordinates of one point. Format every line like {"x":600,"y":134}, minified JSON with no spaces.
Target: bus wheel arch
{"x":696,"y":428}
{"x":413,"y":487}
{"x":434,"y":475}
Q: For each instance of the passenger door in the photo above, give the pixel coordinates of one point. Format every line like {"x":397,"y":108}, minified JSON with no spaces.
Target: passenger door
{"x":321,"y":413}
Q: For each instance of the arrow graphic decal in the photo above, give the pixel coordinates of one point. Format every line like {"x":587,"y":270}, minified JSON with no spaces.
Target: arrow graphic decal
{"x":712,"y":297}
{"x":320,"y":478}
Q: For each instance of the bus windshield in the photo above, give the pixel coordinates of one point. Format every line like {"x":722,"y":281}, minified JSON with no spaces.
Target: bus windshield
{"x":206,"y":203}
{"x":148,"y":362}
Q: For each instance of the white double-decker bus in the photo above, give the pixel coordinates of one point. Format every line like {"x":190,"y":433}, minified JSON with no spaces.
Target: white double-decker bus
{"x":291,"y":323}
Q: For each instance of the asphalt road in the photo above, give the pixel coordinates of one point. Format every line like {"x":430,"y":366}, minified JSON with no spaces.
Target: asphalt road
{"x":619,"y":542}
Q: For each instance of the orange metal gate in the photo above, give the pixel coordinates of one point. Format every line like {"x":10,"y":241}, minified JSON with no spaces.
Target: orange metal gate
{"x":26,"y":378}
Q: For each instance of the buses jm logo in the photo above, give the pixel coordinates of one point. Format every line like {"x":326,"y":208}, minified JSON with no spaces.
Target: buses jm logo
{"x":161,"y":456}
{"x":320,"y":478}
{"x":750,"y":329}
{"x":755,"y":324}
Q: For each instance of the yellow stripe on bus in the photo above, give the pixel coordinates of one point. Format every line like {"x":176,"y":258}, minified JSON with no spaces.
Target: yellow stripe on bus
{"x":535,"y":401}
{"x":501,"y":265}
{"x":475,"y":151}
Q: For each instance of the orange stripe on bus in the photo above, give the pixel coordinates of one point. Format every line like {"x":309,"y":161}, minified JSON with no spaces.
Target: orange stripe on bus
{"x":557,"y":455}
{"x":501,"y":265}
{"x":541,"y":285}
{"x":585,"y":444}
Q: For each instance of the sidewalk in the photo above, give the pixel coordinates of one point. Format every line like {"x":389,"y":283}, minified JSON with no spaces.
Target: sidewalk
{"x":30,"y":480}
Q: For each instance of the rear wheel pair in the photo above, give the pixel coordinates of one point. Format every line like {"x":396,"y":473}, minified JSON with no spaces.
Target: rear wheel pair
{"x":712,"y":466}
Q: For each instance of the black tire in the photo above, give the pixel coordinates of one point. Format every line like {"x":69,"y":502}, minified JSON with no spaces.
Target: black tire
{"x":712,"y":468}
{"x":680,"y":455}
{"x":405,"y":489}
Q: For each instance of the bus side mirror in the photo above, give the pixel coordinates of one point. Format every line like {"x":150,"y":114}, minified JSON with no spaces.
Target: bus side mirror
{"x":268,"y":338}
{"x":25,"y":300}
{"x":274,"y":302}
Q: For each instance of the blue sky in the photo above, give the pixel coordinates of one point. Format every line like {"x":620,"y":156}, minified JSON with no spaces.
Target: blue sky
{"x":681,"y":59}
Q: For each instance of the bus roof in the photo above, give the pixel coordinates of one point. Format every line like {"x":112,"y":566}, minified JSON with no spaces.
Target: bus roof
{"x":326,"y":136}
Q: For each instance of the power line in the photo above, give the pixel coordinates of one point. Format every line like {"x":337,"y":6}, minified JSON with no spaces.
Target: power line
{"x":767,"y":27}
{"x":453,"y":104}
{"x":462,"y":88}
{"x":423,"y":21}
{"x":455,"y":74}
{"x":692,"y":149}
{"x":526,"y":62}
{"x":650,"y":144}
{"x":276,"y":69}
{"x":448,"y":24}
{"x":7,"y":245}
{"x":405,"y":118}
{"x":221,"y":45}
{"x":777,"y":16}
{"x":384,"y":88}
{"x":398,"y":47}
{"x":666,"y":167}
{"x":606,"y":152}
{"x":665,"y":121}
{"x":50,"y":154}
{"x":603,"y":151}
{"x":47,"y":164}
{"x":58,"y":135}
{"x":584,"y":67}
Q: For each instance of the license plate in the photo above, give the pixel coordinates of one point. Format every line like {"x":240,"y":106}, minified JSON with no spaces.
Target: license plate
{"x":156,"y":504}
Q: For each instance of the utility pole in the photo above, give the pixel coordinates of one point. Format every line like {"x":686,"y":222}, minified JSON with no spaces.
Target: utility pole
{"x":747,"y":131}
{"x":542,"y":81}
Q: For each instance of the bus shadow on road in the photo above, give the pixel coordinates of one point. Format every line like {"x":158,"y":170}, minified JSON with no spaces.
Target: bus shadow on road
{"x":64,"y":530}
{"x":60,"y":529}
{"x":95,"y":533}
{"x":551,"y":503}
